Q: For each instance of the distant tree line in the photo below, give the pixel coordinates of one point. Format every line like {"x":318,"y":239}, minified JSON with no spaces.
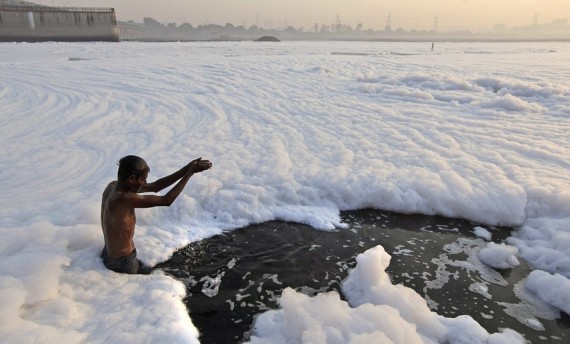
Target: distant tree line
{"x":228,"y":27}
{"x":151,"y":29}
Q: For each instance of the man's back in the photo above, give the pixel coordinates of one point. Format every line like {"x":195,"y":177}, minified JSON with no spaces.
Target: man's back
{"x":118,"y":221}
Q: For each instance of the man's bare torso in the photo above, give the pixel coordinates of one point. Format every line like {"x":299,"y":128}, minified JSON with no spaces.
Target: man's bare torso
{"x":118,"y":220}
{"x":122,"y":196}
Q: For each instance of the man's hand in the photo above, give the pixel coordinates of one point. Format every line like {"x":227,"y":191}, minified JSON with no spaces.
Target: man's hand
{"x":199,"y":165}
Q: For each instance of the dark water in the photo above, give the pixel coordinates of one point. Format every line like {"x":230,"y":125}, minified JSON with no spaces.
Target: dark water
{"x":232,"y":277}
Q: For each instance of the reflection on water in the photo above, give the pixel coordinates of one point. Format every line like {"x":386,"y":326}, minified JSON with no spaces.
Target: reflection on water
{"x":232,"y":277}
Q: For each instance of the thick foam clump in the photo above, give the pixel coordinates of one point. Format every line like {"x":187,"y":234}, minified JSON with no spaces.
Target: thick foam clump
{"x":545,"y":244}
{"x":552,"y":289}
{"x":482,"y":233}
{"x":499,"y":256}
{"x":326,"y":318}
{"x":377,"y":311}
{"x":54,"y":289}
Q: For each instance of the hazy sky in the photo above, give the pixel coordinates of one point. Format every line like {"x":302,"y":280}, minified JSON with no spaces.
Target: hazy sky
{"x":406,"y":14}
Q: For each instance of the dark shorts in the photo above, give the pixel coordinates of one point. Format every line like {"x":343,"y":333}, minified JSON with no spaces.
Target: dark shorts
{"x":127,"y":265}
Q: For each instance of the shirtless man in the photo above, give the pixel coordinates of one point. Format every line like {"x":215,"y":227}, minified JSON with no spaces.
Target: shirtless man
{"x":120,"y":199}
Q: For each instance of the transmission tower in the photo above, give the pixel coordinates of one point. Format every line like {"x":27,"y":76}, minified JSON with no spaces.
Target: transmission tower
{"x":535,"y":20}
{"x":435,"y":23}
{"x":337,"y":23}
{"x":388,"y":27}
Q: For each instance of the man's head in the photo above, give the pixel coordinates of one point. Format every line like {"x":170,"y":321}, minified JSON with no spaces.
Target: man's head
{"x":132,"y":165}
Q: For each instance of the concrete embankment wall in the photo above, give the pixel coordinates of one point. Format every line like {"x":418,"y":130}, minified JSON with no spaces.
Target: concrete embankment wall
{"x":37,"y":24}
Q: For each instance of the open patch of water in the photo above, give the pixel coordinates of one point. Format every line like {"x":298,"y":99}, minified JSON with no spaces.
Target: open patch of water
{"x":235,"y":276}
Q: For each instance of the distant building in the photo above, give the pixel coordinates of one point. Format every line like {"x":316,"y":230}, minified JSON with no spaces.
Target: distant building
{"x":131,"y":31}
{"x":28,"y":22}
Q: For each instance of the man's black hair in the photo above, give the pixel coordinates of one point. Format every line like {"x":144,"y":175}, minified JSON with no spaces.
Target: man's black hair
{"x":131,"y":165}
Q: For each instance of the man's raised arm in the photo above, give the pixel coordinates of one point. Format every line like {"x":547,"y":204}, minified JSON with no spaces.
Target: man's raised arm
{"x":147,"y":201}
{"x":165,"y":182}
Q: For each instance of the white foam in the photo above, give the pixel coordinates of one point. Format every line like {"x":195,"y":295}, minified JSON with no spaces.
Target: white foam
{"x":376,"y":312}
{"x":530,"y":308}
{"x":552,"y":289}
{"x":482,"y":233}
{"x":295,"y":133}
{"x":499,"y":256}
{"x":545,"y":244}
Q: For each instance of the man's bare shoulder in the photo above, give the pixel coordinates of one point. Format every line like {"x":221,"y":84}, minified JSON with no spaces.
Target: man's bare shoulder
{"x":110,"y":187}
{"x":112,"y":195}
{"x":116,"y":202}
